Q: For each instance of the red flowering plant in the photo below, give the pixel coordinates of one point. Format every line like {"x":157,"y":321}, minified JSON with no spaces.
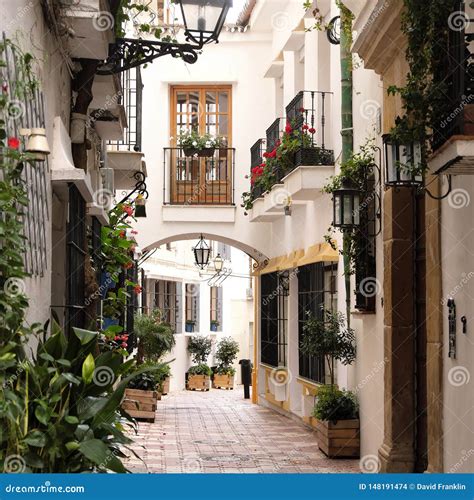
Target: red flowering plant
{"x":118,"y":242}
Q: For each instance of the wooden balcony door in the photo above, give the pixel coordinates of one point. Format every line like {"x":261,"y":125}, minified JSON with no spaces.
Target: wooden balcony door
{"x":199,"y":180}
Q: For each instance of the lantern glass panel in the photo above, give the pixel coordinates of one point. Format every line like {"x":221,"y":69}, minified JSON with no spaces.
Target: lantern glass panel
{"x":204,"y":17}
{"x":356,"y":210}
{"x":337,"y":209}
{"x":347,"y":209}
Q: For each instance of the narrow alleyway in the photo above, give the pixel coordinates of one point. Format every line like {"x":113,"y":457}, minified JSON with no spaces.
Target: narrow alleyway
{"x":220,"y":432}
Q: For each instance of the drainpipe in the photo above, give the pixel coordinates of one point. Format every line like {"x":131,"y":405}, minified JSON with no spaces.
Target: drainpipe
{"x":347,"y":130}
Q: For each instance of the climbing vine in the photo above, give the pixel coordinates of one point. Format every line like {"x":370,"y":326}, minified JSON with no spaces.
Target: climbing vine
{"x":426,"y":27}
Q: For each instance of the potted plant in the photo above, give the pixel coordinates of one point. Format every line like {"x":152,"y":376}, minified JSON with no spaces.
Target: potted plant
{"x":198,"y":376}
{"x":189,"y":326}
{"x":155,"y":339}
{"x":195,"y":144}
{"x":214,"y":325}
{"x":336,"y":412}
{"x":226,"y":354}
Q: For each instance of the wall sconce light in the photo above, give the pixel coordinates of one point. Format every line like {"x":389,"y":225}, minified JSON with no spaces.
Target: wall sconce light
{"x":37,"y":143}
{"x":346,"y":206}
{"x":218,"y":263}
{"x":140,"y":206}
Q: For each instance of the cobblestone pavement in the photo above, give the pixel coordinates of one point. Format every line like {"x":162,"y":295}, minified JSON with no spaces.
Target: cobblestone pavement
{"x":220,"y":432}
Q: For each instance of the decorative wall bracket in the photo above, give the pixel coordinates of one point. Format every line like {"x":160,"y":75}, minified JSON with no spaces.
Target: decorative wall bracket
{"x":128,"y":53}
{"x":452,"y":327}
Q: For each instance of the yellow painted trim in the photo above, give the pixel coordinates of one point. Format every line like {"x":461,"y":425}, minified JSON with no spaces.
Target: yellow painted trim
{"x":256,"y":301}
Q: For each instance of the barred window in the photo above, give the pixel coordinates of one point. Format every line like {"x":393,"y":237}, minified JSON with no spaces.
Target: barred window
{"x":274,"y":318}
{"x":216,"y":307}
{"x":317,"y":289}
{"x":166,"y":300}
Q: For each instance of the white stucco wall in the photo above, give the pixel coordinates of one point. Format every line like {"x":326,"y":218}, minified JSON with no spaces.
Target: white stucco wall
{"x":457,"y":258}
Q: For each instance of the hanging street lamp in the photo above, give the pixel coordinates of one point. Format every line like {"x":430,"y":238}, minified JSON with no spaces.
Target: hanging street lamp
{"x":202,"y":253}
{"x":140,"y":209}
{"x":346,"y":206}
{"x":203,"y":21}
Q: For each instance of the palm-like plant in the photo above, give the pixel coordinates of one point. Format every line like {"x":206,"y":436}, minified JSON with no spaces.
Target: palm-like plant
{"x":155,"y":337}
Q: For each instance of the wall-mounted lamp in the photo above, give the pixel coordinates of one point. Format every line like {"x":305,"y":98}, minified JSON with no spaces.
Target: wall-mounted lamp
{"x":218,"y":263}
{"x":346,"y":206}
{"x":37,"y":143}
{"x":140,"y":206}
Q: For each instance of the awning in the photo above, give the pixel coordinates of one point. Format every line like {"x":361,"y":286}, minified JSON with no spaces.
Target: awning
{"x":321,"y":252}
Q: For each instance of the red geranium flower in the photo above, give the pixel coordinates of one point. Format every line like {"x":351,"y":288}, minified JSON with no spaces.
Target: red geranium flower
{"x":278,"y":143}
{"x":128,"y":265}
{"x":124,"y":345}
{"x":122,"y":234}
{"x":288,"y":128}
{"x":13,"y":143}
{"x":312,"y":130}
{"x":265,"y":155}
{"x":128,"y":209}
{"x":301,"y":110}
{"x":137,"y":289}
{"x":305,"y":126}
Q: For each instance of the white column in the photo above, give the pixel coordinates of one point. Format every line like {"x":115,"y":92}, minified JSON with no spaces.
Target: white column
{"x":289,"y":77}
{"x":294,"y":391}
{"x":311,"y":66}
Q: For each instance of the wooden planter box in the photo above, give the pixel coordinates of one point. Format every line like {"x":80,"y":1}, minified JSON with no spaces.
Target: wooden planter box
{"x":338,"y":439}
{"x":140,"y":404}
{"x":198,"y":383}
{"x":223,"y":381}
{"x":166,"y":386}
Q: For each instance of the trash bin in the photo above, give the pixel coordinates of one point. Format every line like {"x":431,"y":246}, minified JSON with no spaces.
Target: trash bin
{"x":246,"y":376}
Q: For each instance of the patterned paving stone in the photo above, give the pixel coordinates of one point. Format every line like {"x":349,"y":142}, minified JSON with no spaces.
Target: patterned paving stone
{"x":220,"y":432}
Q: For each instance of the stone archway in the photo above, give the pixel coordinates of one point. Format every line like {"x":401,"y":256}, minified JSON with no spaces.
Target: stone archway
{"x":260,"y":258}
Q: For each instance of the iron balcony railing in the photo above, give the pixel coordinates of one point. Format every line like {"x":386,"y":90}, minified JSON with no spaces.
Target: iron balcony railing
{"x":198,"y":180}
{"x":131,"y":100}
{"x":306,"y":115}
{"x":456,"y":73}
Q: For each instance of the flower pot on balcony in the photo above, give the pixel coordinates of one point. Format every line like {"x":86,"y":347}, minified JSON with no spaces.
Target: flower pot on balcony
{"x":206,"y":152}
{"x":190,"y":151}
{"x":140,"y":404}
{"x":189,"y":326}
{"x":313,"y":156}
{"x":214,"y":327}
{"x":338,"y":439}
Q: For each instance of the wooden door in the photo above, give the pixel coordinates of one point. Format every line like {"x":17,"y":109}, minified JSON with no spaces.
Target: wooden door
{"x":199,"y":180}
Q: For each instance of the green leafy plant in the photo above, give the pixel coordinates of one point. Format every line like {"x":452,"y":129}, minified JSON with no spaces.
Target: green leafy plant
{"x":194,"y":141}
{"x":226,"y":354}
{"x":61,"y":411}
{"x":424,"y":93}
{"x":155,"y":337}
{"x":151,"y":380}
{"x":200,"y":369}
{"x":329,"y":338}
{"x":199,"y":347}
{"x":333,"y":404}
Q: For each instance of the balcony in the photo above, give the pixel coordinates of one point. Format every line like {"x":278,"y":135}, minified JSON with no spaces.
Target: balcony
{"x":298,"y":162}
{"x":453,"y":139}
{"x":124,"y":155}
{"x":198,"y":183}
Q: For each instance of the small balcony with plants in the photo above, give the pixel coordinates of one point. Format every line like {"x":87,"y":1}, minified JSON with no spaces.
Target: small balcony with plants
{"x":198,"y":172}
{"x":293,"y":162}
{"x":124,"y":147}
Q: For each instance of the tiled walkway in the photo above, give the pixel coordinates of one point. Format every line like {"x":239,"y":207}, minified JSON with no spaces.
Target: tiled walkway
{"x":220,"y":432}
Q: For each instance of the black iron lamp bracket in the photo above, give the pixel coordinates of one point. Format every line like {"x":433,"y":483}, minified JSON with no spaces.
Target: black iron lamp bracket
{"x":140,"y":187}
{"x":443,"y":196}
{"x":128,"y":53}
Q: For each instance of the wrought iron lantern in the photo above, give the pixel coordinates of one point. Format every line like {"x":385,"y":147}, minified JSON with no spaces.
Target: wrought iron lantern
{"x":346,"y":205}
{"x":140,"y":206}
{"x":204,"y":19}
{"x":403,"y":163}
{"x":202,"y":253}
{"x":218,"y":263}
